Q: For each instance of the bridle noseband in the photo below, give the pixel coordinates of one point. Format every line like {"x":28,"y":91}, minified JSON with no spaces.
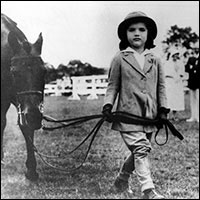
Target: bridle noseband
{"x":31,"y":92}
{"x":20,"y":112}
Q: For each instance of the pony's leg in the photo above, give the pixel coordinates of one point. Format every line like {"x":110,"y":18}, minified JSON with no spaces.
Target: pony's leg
{"x":4,"y":109}
{"x":31,"y":164}
{"x":3,"y":125}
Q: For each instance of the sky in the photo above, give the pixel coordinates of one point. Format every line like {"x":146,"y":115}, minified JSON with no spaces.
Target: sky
{"x":87,"y":30}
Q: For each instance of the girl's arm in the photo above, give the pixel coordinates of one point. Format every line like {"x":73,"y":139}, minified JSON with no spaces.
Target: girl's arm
{"x":113,"y":81}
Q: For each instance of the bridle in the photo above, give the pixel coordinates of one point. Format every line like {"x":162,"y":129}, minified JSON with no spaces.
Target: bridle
{"x":20,"y":112}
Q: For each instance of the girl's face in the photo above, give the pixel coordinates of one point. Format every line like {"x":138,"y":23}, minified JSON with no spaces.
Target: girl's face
{"x":137,"y":35}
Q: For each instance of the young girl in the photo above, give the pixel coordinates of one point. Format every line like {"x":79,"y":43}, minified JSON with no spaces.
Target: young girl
{"x":137,"y":77}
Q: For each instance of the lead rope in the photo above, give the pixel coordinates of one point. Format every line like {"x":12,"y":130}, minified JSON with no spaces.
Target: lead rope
{"x":156,"y":134}
{"x":116,"y":116}
{"x":94,"y":132}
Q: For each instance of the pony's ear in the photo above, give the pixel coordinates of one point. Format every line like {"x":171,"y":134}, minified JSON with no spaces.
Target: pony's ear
{"x":27,"y":47}
{"x":38,"y":44}
{"x":13,"y":42}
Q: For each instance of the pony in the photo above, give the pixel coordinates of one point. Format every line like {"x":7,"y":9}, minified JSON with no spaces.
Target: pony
{"x":22,"y":84}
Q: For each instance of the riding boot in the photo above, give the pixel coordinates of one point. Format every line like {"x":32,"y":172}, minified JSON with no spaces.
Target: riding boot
{"x":122,"y":180}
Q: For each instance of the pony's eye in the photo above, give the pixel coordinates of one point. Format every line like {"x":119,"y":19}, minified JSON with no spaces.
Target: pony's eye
{"x":12,"y":68}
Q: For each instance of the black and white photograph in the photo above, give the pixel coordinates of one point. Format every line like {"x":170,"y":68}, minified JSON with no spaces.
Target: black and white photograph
{"x":100,"y":99}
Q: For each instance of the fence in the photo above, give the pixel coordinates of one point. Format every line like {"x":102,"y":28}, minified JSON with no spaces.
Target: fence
{"x":88,"y":85}
{"x":58,"y":87}
{"x":92,"y":86}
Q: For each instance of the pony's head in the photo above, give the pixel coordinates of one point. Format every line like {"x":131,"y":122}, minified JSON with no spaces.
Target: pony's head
{"x":28,"y":76}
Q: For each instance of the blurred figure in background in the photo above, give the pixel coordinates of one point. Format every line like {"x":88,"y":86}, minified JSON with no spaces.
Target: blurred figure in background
{"x":192,"y":68}
{"x":174,"y":73}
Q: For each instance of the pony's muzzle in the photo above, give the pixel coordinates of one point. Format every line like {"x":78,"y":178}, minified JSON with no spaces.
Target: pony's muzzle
{"x":34,"y":118}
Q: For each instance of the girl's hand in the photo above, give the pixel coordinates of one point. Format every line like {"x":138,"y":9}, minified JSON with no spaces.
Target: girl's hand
{"x":162,"y":116}
{"x":107,"y":112}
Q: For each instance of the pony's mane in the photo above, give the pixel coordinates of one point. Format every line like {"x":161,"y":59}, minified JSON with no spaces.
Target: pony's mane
{"x":12,"y":26}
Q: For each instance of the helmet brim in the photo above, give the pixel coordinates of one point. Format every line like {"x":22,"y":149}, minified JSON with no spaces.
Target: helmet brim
{"x":123,"y":26}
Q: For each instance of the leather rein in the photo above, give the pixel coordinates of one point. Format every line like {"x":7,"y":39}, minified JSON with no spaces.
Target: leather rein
{"x":116,"y":117}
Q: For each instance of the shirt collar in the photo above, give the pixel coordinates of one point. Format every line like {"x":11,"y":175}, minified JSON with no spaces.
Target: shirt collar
{"x":129,"y":49}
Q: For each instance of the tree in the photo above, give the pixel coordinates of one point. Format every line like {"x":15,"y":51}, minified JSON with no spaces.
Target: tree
{"x":182,"y":38}
{"x":73,"y":68}
{"x":51,"y":73}
{"x":62,"y":70}
{"x":77,"y":68}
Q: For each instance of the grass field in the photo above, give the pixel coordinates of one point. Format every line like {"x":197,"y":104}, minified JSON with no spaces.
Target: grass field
{"x":175,"y":166}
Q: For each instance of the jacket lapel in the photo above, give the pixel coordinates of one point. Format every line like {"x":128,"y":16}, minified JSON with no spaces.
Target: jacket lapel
{"x":130,"y":59}
{"x":148,"y":63}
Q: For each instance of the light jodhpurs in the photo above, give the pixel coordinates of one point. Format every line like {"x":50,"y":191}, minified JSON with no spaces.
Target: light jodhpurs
{"x":139,"y":145}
